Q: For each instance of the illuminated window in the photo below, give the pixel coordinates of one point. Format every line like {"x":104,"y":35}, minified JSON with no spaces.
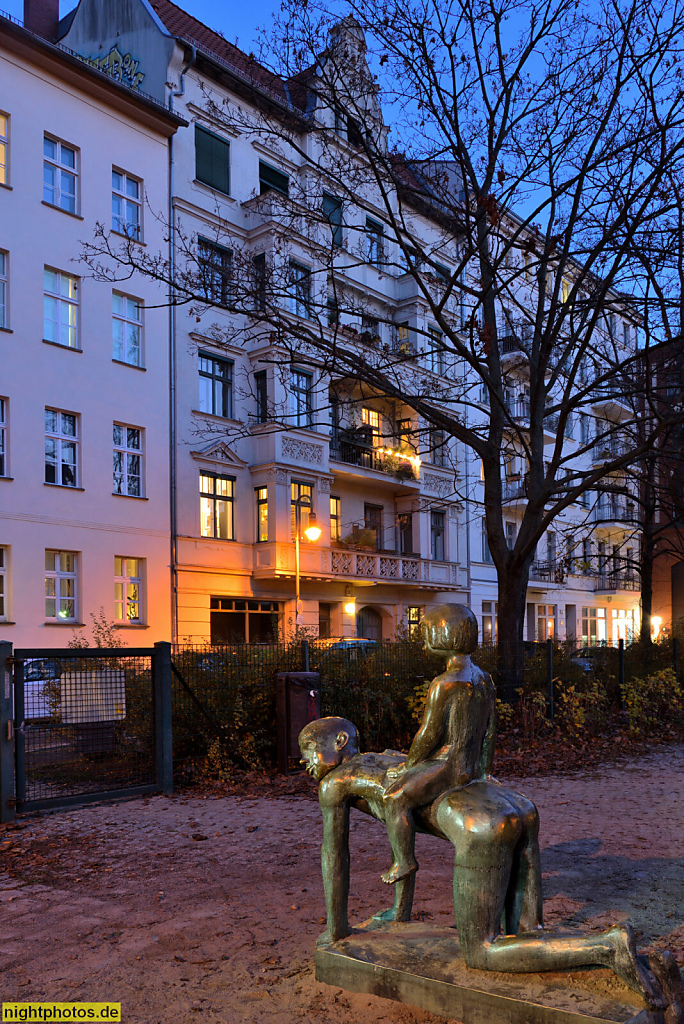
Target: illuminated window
{"x":128,"y":584}
{"x":4,"y":288}
{"x":4,"y":582}
{"x":4,"y":470}
{"x":413,"y":621}
{"x":546,"y":621}
{"x":301,"y":504}
{"x":371,"y":420}
{"x":216,"y":506}
{"x":4,"y":149}
{"x":262,"y":513}
{"x":593,"y":626}
{"x":335,"y":518}
{"x":60,"y":586}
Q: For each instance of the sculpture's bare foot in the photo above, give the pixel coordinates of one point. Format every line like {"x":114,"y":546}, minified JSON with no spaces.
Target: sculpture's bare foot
{"x":665,"y":968}
{"x":632,"y":968}
{"x":398,"y":871}
{"x":384,"y":915}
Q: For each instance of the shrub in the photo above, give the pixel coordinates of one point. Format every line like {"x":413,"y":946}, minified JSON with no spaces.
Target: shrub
{"x":653,"y":702}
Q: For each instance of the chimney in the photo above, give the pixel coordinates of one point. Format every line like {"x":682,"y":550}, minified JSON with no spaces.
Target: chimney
{"x":42,"y":17}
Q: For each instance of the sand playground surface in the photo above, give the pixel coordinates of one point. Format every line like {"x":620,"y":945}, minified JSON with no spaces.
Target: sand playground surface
{"x":210,"y":905}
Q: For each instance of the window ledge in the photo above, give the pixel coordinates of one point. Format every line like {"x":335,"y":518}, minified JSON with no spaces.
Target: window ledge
{"x":132,"y":366}
{"x":6,"y":330}
{"x":131,"y":625}
{"x":134,"y":497}
{"x":5,"y":185}
{"x":51,"y":206}
{"x":216,"y":416}
{"x":6,"y":478}
{"x":202,"y":185}
{"x":63,"y":622}
{"x":121,"y":234}
{"x":7,"y":622}
{"x":58,"y":344}
{"x":63,"y":487}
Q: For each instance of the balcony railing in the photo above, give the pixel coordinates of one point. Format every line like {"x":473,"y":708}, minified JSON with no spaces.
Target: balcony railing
{"x":382,"y":460}
{"x":409,"y":569}
{"x":513,"y":489}
{"x":518,"y":409}
{"x":548,"y":572}
{"x":619,"y":580}
{"x":617,"y":510}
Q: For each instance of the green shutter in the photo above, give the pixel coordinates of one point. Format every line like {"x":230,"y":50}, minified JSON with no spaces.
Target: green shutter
{"x":212,"y":160}
{"x":269,"y":178}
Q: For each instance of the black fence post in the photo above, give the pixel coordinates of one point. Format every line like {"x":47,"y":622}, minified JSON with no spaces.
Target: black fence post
{"x":549,"y":676}
{"x":675,"y":656}
{"x":305,"y":655}
{"x":7,"y":790}
{"x":621,"y":668}
{"x":161,"y":673}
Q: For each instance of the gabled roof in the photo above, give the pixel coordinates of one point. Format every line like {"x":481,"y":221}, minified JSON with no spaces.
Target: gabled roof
{"x":182,"y":25}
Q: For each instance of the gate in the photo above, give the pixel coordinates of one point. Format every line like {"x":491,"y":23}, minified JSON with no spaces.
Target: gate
{"x":83,"y":724}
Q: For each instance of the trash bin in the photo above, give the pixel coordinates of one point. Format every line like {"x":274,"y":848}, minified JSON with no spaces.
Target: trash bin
{"x":298,"y":702}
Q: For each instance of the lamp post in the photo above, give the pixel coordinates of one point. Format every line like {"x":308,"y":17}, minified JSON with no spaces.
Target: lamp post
{"x":312,"y":533}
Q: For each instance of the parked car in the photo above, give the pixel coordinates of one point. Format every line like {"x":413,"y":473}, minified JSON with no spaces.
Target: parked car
{"x":589,"y":659}
{"x":340,"y":650}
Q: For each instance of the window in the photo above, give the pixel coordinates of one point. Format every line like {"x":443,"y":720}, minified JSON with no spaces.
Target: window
{"x":128,"y":456}
{"x":60,"y":586}
{"x":335,"y":518}
{"x":586,"y":556}
{"x":437,"y":450}
{"x":59,"y":174}
{"x":300,"y":289}
{"x":402,"y":339}
{"x":212,"y":160}
{"x":435,"y":350}
{"x":324,"y":619}
{"x":374,"y":240}
{"x":261,"y":394}
{"x":370,"y":418}
{"x":3,"y":438}
{"x":128,"y":589}
{"x":4,"y":149}
{"x":333,"y":311}
{"x":270,"y":178}
{"x":551,"y":545}
{"x":215,"y":265}
{"x":354,"y":136}
{"x":405,"y":435}
{"x":126,"y":329}
{"x":60,"y":308}
{"x":546,"y":621}
{"x":594,"y":631}
{"x":61,"y":448}
{"x":370,"y":330}
{"x":372,"y":520}
{"x":405,"y":525}
{"x":490,"y":621}
{"x":126,"y":205}
{"x":332,"y":211}
{"x":510,"y":535}
{"x":413,"y":621}
{"x":486,"y":552}
{"x":239,"y":621}
{"x":585,"y":428}
{"x":262,"y":514}
{"x":4,"y":583}
{"x":437,"y":520}
{"x":259,"y":272}
{"x":215,"y":385}
{"x":301,"y":504}
{"x":4,"y":311}
{"x":300,"y":396}
{"x":216,"y":506}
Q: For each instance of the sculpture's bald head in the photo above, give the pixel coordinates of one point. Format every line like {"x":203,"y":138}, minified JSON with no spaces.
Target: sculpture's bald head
{"x":326,"y":743}
{"x":450,"y":629}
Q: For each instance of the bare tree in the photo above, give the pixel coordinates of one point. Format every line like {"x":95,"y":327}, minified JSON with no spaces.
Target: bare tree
{"x":522,"y":211}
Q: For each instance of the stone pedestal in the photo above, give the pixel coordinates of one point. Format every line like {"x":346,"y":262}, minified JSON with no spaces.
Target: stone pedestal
{"x":421,"y":964}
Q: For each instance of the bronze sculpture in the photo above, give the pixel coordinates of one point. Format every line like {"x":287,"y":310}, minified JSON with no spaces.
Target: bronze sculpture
{"x":444,"y":787}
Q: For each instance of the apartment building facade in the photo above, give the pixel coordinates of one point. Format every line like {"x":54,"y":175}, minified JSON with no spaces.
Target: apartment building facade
{"x":258,"y":444}
{"x":84,"y":425}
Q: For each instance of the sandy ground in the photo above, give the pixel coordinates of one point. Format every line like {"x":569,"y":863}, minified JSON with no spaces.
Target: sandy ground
{"x":211,"y":906}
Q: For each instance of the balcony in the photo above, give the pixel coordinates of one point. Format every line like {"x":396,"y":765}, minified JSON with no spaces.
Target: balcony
{"x":610,"y":448}
{"x":388,"y":568}
{"x":518,"y":409}
{"x":618,"y":580}
{"x":398,"y":464}
{"x":614,"y":510}
{"x":548,"y":572}
{"x":514,"y":491}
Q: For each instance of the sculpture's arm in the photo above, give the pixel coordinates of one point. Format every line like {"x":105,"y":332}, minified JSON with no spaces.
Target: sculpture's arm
{"x":429,"y":735}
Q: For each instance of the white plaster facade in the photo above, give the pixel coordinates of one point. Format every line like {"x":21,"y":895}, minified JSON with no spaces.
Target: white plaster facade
{"x":46,"y":94}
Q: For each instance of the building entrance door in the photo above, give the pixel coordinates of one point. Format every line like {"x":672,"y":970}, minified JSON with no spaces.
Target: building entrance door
{"x":369,"y":624}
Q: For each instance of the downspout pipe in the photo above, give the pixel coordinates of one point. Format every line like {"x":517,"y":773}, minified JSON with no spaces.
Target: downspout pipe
{"x":173,"y":372}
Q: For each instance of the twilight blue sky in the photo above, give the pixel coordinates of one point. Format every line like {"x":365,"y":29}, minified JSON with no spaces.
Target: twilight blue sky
{"x":235,"y":20}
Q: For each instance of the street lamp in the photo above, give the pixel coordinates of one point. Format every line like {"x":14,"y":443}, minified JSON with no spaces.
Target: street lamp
{"x":312,"y":533}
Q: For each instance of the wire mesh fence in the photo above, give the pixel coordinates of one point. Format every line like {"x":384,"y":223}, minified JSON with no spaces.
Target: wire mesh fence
{"x":88,"y":724}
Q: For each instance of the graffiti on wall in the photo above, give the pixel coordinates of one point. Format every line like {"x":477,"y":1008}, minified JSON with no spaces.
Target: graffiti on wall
{"x":122,"y":67}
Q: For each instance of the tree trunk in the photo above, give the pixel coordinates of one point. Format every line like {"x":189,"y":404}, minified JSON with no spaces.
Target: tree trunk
{"x":512,"y":607}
